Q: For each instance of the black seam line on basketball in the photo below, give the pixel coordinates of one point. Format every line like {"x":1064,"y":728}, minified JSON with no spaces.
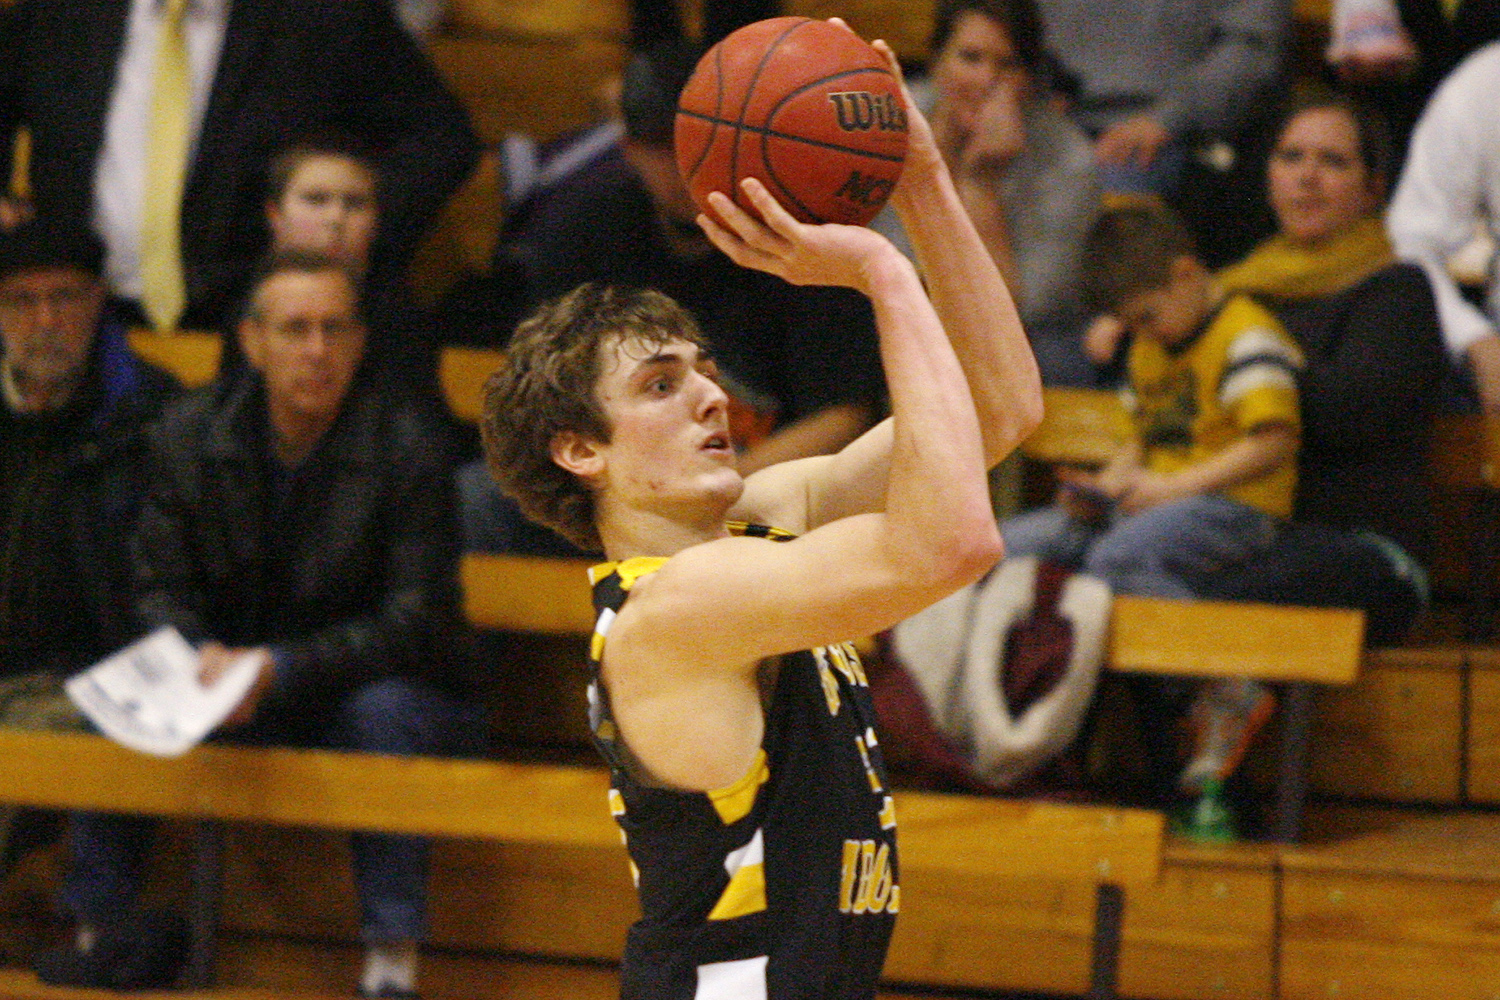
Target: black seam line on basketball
{"x":718,"y":54}
{"x":772,"y":133}
{"x":734,"y":147}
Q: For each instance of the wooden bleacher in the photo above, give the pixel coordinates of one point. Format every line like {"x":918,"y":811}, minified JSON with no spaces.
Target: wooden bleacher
{"x":1380,"y":901}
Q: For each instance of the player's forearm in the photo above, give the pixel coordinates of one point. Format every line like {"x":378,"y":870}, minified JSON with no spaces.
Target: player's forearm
{"x":820,"y":433}
{"x":941,"y":527}
{"x":977,"y":309}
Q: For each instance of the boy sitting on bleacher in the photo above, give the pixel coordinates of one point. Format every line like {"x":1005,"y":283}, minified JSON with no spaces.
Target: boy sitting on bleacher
{"x":1207,"y":477}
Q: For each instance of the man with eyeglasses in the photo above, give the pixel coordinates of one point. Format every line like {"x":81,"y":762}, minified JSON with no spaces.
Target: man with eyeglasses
{"x":304,"y":518}
{"x":72,"y":455}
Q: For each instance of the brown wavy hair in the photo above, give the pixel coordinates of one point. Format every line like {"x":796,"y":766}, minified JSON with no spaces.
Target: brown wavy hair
{"x":546,"y":386}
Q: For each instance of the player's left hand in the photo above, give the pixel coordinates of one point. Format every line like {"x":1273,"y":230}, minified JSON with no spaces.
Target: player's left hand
{"x":798,"y":252}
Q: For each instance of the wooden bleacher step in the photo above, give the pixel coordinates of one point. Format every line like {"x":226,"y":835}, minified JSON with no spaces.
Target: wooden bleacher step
{"x":1393,"y":904}
{"x":1395,"y":734}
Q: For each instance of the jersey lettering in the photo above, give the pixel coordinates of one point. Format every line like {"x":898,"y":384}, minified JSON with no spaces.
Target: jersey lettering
{"x":868,"y":883}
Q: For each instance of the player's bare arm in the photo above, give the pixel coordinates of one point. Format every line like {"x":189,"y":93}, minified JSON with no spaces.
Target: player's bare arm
{"x":682,"y":661}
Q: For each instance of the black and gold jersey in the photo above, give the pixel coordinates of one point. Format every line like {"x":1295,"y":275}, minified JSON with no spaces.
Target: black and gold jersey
{"x":782,"y":886}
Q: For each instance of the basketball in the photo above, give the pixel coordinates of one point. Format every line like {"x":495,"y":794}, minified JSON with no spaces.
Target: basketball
{"x":807,"y":107}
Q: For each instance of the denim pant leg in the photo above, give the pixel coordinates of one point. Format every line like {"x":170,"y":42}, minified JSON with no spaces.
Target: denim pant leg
{"x":1047,"y":533}
{"x":401,"y":717}
{"x":1165,"y":550}
{"x":107,"y":865}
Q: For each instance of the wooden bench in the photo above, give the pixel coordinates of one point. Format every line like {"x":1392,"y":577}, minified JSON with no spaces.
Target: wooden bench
{"x":535,"y":804}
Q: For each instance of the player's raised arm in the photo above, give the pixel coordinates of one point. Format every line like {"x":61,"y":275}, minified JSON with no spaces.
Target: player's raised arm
{"x":972,"y":299}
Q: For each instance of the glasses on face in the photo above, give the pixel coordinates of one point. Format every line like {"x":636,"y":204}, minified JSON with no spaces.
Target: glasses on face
{"x":58,"y":299}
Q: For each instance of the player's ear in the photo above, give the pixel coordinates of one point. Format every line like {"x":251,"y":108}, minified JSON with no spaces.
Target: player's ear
{"x":577,"y":454}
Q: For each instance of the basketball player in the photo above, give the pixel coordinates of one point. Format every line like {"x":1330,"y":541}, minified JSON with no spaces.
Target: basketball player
{"x":747,"y":772}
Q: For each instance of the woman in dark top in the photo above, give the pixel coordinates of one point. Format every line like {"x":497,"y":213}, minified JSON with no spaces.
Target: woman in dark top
{"x":1374,"y":361}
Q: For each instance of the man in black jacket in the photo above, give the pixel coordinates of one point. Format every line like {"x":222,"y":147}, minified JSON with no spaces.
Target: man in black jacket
{"x":72,"y":459}
{"x":306,"y":520}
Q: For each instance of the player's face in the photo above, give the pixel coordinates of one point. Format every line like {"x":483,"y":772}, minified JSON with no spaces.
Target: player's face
{"x":1317,"y":181}
{"x":305,"y":338}
{"x":669,"y":426}
{"x":47,"y":321}
{"x":328,"y":207}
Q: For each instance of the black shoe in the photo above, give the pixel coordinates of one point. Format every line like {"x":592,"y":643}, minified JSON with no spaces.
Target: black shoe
{"x":146,"y":951}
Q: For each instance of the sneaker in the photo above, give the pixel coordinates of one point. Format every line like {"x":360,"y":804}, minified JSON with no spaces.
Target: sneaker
{"x":144,"y":951}
{"x":1225,"y":717}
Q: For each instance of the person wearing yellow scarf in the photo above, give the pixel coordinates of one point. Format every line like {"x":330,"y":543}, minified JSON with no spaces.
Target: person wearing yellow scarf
{"x":1374,"y":362}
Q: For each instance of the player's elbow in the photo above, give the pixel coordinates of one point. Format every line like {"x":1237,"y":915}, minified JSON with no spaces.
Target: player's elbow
{"x":964,"y":554}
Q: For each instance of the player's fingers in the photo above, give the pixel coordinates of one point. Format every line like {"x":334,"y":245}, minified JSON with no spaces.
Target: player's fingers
{"x":744,"y":225}
{"x":735,"y":248}
{"x":776,"y":217}
{"x":889,"y":55}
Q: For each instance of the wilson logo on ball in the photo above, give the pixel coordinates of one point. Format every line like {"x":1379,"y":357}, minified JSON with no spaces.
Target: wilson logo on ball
{"x":861,"y":111}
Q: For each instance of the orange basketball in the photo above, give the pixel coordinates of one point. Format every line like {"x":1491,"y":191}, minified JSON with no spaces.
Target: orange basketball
{"x":807,"y":107}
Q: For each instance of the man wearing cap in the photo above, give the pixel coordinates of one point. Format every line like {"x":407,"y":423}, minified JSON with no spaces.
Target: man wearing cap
{"x":72,"y":467}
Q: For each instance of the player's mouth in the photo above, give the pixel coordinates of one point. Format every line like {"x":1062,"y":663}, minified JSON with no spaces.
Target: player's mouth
{"x":717,"y":443}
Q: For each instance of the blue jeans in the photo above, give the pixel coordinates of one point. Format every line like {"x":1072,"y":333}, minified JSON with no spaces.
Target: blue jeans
{"x":395,"y":716}
{"x":1162,"y":551}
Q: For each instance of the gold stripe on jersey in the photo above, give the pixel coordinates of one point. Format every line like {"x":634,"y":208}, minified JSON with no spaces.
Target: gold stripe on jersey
{"x":748,"y":530}
{"x":734,"y":802}
{"x":746,"y":892}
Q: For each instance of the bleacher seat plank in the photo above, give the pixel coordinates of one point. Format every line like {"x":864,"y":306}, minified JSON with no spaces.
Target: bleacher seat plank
{"x":539,"y":87}
{"x":1206,"y":928}
{"x":1079,"y":427}
{"x":457,"y":798}
{"x":191,"y":355}
{"x":1230,"y":639}
{"x":975,"y":835}
{"x":527,"y":593}
{"x":462,"y":372}
{"x":527,"y":18}
{"x":1396,"y":733}
{"x":1395,"y":905}
{"x":1483,"y":750}
{"x":905,"y":24}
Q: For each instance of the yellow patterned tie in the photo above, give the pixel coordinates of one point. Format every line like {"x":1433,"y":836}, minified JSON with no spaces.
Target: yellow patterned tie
{"x":1450,"y":8}
{"x":163,"y":293}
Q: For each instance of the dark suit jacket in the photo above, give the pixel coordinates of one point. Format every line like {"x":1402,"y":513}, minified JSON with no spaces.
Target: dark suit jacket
{"x":288,"y":67}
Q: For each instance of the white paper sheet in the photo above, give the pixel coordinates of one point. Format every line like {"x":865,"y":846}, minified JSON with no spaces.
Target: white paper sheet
{"x":147,"y":696}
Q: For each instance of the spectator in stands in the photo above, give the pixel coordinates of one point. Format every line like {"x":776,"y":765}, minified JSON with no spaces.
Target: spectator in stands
{"x":1210,"y":471}
{"x":1025,"y":171}
{"x":323,"y":196}
{"x":304,"y":519}
{"x":72,"y":461}
{"x":235,"y":83}
{"x":1157,"y":78}
{"x":1368,"y":329}
{"x":1449,"y":188}
{"x":1394,"y":53}
{"x":801,"y":358}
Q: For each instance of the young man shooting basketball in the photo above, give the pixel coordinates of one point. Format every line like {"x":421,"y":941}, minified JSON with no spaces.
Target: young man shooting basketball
{"x":747,"y":774}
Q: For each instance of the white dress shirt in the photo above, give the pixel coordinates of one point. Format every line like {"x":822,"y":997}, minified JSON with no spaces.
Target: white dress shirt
{"x":1451,"y":181}
{"x":120,"y":172}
